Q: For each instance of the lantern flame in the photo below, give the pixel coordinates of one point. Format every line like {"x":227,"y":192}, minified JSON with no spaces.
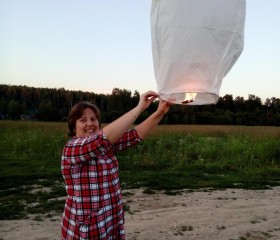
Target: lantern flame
{"x":189,"y":97}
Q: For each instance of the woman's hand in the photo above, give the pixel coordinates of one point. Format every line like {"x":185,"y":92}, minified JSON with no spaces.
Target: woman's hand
{"x":146,"y":99}
{"x":163,"y":107}
{"x":114,"y":130}
{"x":144,"y":128}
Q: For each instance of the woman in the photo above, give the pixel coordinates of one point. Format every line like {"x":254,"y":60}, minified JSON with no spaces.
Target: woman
{"x":93,"y":208}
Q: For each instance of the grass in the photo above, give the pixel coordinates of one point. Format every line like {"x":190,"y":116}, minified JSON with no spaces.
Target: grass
{"x":172,"y":158}
{"x":178,"y":159}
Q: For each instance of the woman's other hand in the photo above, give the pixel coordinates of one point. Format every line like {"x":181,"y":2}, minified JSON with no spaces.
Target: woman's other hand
{"x":163,"y":107}
{"x":146,"y":99}
{"x":144,"y":128}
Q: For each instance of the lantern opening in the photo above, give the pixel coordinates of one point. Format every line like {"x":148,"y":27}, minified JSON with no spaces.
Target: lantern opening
{"x":189,"y":97}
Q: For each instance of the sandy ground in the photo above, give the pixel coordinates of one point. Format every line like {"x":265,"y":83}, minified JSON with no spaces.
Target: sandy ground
{"x":232,"y":214}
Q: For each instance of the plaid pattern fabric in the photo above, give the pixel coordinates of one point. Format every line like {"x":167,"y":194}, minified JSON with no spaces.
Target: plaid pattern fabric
{"x":93,"y":208}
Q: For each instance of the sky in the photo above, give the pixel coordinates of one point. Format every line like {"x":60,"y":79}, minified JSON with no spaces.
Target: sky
{"x":98,"y":45}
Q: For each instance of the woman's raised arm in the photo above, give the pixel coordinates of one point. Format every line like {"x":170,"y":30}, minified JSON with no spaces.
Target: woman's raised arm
{"x":144,"y":128}
{"x":114,"y":130}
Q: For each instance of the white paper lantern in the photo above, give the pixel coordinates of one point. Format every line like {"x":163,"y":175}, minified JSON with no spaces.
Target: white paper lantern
{"x":195,"y":43}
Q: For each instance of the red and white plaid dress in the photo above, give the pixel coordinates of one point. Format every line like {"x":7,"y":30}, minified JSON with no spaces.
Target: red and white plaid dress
{"x":93,"y":208}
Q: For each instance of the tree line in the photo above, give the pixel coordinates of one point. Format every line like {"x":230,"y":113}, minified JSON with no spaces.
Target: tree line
{"x":48,"y":104}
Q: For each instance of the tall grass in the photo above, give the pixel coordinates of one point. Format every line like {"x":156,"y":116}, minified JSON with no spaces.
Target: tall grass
{"x":31,"y":148}
{"x":34,"y":149}
{"x":206,"y":156}
{"x":176,"y":149}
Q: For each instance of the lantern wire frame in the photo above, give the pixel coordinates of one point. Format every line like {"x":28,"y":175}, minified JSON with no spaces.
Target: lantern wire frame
{"x":190,"y":98}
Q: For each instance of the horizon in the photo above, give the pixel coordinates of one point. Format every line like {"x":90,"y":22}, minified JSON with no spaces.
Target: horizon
{"x":132,"y":92}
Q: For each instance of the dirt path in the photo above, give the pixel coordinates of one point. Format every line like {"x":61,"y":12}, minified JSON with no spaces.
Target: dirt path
{"x":232,"y":214}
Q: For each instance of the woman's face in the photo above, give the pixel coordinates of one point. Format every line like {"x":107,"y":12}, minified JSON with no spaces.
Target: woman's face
{"x":87,"y":124}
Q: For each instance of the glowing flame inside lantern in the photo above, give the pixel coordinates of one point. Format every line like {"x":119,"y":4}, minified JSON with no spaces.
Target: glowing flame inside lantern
{"x":189,"y":97}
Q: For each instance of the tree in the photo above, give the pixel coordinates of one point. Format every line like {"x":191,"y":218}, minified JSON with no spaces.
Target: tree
{"x":14,"y":109}
{"x":252,"y":103}
{"x":135,"y":98}
{"x":120,"y":100}
{"x":239,"y":103}
{"x":46,"y":112}
{"x":228,"y":102}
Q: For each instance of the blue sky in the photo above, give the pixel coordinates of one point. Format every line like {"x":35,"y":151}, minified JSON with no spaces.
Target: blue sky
{"x":94,"y":45}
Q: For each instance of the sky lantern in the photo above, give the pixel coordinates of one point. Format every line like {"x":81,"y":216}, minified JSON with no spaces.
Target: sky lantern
{"x":195,"y":43}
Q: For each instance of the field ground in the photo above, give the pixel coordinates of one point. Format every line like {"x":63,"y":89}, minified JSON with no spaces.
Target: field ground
{"x":165,"y":179}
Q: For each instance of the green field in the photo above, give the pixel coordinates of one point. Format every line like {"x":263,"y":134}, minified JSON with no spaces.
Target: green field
{"x":172,"y":158}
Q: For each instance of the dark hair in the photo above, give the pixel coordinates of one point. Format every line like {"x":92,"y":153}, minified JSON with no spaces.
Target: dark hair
{"x":77,"y":111}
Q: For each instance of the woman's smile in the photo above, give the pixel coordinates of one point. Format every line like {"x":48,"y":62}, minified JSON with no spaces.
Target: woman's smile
{"x":87,"y":124}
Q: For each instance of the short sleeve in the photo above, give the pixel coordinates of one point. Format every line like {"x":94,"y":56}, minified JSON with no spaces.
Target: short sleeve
{"x":128,"y":139}
{"x":78,"y":150}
